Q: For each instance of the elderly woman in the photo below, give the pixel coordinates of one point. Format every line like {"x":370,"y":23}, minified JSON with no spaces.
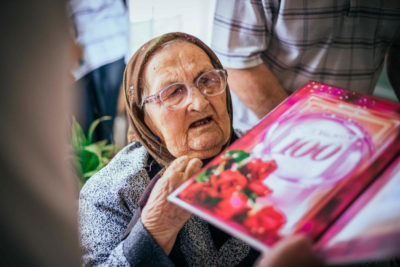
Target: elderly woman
{"x":180,"y":113}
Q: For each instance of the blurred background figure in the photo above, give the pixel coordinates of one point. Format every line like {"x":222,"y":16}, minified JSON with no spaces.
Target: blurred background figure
{"x":272,"y":48}
{"x":101,"y":30}
{"x":38,"y":221}
{"x":291,"y":251}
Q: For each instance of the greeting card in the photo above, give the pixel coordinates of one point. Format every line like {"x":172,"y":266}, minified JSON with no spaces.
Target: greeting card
{"x":299,"y":169}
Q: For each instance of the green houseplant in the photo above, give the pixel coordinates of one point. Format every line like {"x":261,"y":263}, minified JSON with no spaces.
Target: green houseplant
{"x":89,"y":157}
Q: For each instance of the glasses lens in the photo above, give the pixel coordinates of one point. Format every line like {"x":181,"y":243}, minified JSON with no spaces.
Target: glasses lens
{"x":212,"y":83}
{"x":174,"y":95}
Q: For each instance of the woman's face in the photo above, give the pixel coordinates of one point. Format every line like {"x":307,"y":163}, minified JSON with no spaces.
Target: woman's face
{"x":180,"y":129}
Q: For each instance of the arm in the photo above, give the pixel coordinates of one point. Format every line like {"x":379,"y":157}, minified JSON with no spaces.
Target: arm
{"x":393,"y":67}
{"x":102,"y":221}
{"x":241,"y":33}
{"x":291,"y":251}
{"x":102,"y":224}
{"x":161,"y":218}
{"x":140,"y":249}
{"x":257,"y":88}
{"x":104,"y":217}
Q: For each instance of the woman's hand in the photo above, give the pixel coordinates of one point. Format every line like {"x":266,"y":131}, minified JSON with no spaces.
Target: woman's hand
{"x":291,"y":251}
{"x":160,"y":217}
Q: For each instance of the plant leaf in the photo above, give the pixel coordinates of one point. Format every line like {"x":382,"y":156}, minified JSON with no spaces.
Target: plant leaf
{"x":109,"y":150}
{"x":95,"y":149}
{"x":93,"y":126}
{"x":89,"y":161}
{"x":101,"y":143}
{"x":87,"y":157}
{"x":87,"y":175}
{"x":78,"y":136}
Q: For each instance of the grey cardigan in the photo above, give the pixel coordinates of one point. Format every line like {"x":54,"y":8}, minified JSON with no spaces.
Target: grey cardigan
{"x":109,"y":200}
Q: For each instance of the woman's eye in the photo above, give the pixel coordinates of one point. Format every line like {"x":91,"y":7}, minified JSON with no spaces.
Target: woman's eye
{"x":208,"y":81}
{"x":204,"y":81}
{"x":177,"y":91}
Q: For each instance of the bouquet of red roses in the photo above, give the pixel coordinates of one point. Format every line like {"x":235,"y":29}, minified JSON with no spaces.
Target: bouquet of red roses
{"x":230,"y":188}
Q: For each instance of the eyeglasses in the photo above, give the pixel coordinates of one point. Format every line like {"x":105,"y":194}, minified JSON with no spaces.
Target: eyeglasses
{"x":176,"y":95}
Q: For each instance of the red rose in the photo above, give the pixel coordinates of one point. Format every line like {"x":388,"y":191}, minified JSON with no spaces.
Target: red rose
{"x":265,"y":221}
{"x":228,"y":182}
{"x":258,"y":169}
{"x":232,"y":205}
{"x":197,"y":193}
{"x":259,"y":188}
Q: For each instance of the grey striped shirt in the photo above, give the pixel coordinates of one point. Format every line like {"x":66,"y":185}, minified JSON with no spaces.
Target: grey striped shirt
{"x":339,"y":42}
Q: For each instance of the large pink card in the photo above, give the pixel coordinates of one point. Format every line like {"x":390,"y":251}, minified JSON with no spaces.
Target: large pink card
{"x":299,"y":169}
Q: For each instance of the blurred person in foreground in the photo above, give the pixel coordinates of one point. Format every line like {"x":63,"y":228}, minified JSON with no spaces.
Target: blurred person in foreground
{"x":38,"y":220}
{"x":180,"y":113}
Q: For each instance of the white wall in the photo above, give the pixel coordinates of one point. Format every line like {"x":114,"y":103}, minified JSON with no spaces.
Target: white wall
{"x":151,"y":18}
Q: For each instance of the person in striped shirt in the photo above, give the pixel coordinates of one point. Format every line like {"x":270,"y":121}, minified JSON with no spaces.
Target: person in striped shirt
{"x":271,"y":48}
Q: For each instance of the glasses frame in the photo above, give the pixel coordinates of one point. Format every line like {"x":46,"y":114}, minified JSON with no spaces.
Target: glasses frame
{"x":157,"y":97}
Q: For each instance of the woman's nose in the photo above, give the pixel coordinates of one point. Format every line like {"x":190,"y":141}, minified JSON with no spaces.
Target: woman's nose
{"x":197,"y":100}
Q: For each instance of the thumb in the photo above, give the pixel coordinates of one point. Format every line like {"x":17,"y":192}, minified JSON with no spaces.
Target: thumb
{"x":193,"y":166}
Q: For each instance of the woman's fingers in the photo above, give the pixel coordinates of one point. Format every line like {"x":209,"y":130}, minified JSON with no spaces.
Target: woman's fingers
{"x":192,"y":167}
{"x":291,"y":251}
{"x":179,"y":164}
{"x":181,"y":169}
{"x":164,"y":219}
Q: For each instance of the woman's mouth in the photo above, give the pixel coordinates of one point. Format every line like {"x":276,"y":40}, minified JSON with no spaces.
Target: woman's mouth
{"x":201,"y":122}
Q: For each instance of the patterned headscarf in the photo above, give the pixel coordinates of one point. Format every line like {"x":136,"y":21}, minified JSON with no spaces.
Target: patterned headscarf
{"x":133,"y":89}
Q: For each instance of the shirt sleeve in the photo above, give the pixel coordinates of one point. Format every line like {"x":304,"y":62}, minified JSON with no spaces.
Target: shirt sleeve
{"x":103,"y":221}
{"x":140,"y":249}
{"x":241,"y":31}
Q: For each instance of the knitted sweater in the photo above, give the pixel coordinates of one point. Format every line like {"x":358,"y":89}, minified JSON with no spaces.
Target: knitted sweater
{"x":109,"y":200}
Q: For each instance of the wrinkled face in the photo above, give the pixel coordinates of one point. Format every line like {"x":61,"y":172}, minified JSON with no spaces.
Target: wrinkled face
{"x":202,"y":126}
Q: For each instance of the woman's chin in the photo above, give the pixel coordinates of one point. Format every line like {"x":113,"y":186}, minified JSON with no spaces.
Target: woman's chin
{"x":205,"y":146}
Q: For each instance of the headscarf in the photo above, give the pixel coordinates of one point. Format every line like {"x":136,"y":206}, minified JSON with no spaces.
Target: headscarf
{"x":133,"y":87}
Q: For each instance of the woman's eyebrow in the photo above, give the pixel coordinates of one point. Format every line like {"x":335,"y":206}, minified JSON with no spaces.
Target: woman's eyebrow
{"x":170,"y":80}
{"x":167,"y":81}
{"x":200,"y":73}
